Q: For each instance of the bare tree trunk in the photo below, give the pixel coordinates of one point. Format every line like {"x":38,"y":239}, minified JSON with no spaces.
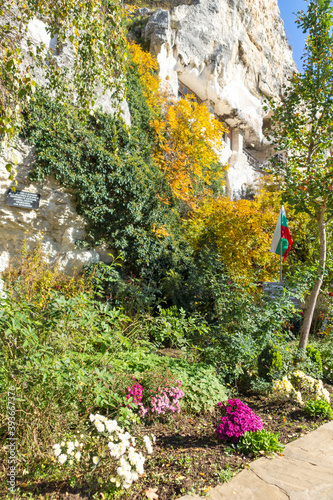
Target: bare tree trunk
{"x":317,"y":286}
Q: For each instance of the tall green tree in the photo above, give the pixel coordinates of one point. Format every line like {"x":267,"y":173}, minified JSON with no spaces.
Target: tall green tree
{"x":301,"y":129}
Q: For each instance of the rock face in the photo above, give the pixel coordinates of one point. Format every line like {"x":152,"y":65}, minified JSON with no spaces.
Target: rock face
{"x":230,"y":53}
{"x":56,"y":221}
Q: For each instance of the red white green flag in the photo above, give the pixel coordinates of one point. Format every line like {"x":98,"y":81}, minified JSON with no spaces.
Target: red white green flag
{"x":282,"y":233}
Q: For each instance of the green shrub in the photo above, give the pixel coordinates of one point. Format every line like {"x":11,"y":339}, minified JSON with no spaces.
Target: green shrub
{"x":325,"y":347}
{"x":260,"y":441}
{"x":314,"y":354}
{"x":269,"y":362}
{"x":302,"y":361}
{"x":173,"y":327}
{"x":202,"y":387}
{"x":318,"y":408}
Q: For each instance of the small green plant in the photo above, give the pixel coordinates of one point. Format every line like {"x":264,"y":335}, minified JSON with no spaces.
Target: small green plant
{"x":269,"y":361}
{"x":318,"y":408}
{"x":260,"y":441}
{"x":224,"y":474}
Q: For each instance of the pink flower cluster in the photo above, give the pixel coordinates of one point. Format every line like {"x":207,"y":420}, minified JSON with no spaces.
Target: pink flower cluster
{"x":167,"y":399}
{"x":238,"y":418}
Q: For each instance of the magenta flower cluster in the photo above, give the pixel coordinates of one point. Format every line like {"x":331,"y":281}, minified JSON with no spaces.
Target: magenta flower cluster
{"x":135,"y":392}
{"x":238,"y":418}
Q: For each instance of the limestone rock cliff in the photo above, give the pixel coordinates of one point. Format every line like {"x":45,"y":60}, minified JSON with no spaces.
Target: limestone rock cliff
{"x":230,"y":53}
{"x":56,"y":221}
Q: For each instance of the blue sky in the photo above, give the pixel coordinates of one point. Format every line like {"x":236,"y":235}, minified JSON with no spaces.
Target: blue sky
{"x":295,"y":36}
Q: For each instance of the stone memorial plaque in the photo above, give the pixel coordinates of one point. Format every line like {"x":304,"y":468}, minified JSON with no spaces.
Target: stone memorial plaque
{"x":22,"y":199}
{"x":275,"y":289}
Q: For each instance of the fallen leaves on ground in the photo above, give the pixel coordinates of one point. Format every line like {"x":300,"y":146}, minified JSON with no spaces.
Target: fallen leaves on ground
{"x":151,"y":494}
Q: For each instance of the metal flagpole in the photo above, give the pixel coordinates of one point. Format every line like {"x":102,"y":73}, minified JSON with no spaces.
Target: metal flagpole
{"x":280,"y":260}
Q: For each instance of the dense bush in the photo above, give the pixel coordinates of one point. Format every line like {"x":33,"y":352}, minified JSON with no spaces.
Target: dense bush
{"x":269,"y":362}
{"x":325,"y":347}
{"x":318,"y":408}
{"x":117,"y":187}
{"x":314,"y":354}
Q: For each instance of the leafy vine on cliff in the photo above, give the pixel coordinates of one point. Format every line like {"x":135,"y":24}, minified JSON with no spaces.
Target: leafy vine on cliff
{"x":117,"y":186}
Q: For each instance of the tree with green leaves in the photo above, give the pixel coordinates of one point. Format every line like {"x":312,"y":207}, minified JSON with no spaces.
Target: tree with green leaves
{"x":96,"y":35}
{"x":301,"y":129}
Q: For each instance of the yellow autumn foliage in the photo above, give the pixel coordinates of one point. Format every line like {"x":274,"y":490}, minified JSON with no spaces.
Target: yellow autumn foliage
{"x":147,"y":68}
{"x":189,"y":138}
{"x":242,"y":232}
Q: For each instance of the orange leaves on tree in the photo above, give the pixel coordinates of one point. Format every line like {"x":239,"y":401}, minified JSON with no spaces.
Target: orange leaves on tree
{"x":189,"y":138}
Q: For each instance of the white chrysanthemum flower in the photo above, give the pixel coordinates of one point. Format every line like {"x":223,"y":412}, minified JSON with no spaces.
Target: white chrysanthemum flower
{"x":148,"y":445}
{"x":100,"y":417}
{"x":56,"y":450}
{"x":70,"y":462}
{"x":63,"y":443}
{"x":111,"y":425}
{"x":123,"y":462}
{"x":120,"y":471}
{"x":77,"y":455}
{"x":139,"y":468}
{"x":62,"y":458}
{"x":117,"y":483}
{"x":92,"y":417}
{"x":99,"y":426}
{"x":135,"y":476}
{"x":127,"y":476}
{"x":131,"y":453}
{"x":76,"y":444}
{"x":326,"y":395}
{"x":298,"y":397}
{"x":124,"y":436}
{"x":95,"y":460}
{"x":70,"y":447}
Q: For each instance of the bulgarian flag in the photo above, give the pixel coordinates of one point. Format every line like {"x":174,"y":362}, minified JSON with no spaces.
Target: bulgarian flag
{"x":282,"y":233}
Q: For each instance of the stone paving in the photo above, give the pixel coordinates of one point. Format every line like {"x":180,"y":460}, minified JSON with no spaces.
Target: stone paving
{"x":304,"y":472}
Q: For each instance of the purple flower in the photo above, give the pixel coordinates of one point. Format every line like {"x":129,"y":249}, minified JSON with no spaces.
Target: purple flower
{"x":238,"y":418}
